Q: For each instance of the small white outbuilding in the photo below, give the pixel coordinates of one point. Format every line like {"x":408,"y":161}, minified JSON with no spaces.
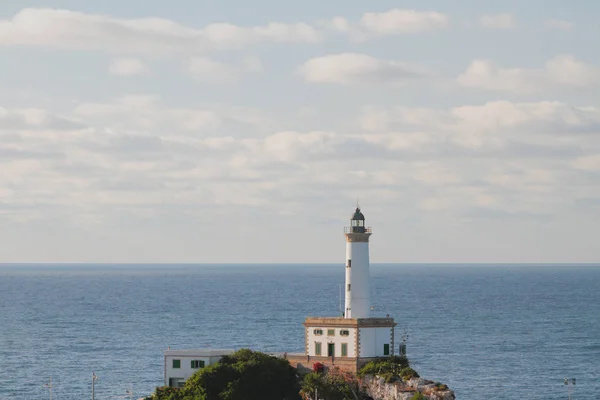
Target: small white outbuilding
{"x":181,"y":364}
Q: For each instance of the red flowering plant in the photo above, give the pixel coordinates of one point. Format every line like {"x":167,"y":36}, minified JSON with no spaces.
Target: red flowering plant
{"x":318,"y":367}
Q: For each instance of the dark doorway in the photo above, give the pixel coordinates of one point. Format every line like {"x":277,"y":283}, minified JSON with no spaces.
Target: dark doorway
{"x":331,"y":350}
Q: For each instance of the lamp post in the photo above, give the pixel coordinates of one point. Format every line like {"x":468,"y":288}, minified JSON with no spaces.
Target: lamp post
{"x":570,"y":383}
{"x":403,"y":344}
{"x":49,"y":387}
{"x":94,"y":379}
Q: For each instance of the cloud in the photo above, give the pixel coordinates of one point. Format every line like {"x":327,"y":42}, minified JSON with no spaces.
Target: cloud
{"x":388,"y":23}
{"x":140,"y":156}
{"x":353,"y":68}
{"x":208,"y":70}
{"x":398,"y":21}
{"x":588,"y":163}
{"x":34,"y":118}
{"x":497,"y":21}
{"x":149,"y":113}
{"x":212,"y":71}
{"x":561,"y":71}
{"x":501,"y":127}
{"x":253,"y":64}
{"x":559,"y":24}
{"x":127,"y":67}
{"x":65,"y":29}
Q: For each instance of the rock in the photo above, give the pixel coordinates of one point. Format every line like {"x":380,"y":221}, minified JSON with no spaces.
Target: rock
{"x":377,"y":388}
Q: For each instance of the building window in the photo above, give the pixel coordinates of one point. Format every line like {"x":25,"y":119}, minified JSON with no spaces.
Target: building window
{"x":197,"y":364}
{"x":317,"y":349}
{"x":176,"y":363}
{"x":386,"y":349}
{"x":344,"y":349}
{"x":344,"y":332}
{"x":349,"y":265}
{"x":349,"y":287}
{"x":330,"y":332}
{"x":318,"y":332}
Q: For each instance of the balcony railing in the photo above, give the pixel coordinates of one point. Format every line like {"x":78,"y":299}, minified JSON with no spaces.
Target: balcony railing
{"x":357,"y":229}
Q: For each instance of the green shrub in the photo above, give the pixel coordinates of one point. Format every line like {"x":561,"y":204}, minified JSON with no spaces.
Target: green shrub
{"x":332,"y":385}
{"x":418,"y":396}
{"x":392,"y":365}
{"x":243,"y":375}
{"x":408,"y":373}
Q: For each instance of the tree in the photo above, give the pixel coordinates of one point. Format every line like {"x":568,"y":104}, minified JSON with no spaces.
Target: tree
{"x":243,"y":375}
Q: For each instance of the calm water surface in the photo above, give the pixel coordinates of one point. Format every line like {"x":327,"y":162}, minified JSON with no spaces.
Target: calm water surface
{"x":488,"y":331}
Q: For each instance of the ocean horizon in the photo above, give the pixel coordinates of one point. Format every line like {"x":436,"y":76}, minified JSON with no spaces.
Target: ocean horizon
{"x":491,"y":330}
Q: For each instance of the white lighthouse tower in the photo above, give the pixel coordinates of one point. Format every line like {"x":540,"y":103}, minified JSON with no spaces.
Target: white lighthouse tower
{"x":351,"y":340}
{"x":358,"y":277}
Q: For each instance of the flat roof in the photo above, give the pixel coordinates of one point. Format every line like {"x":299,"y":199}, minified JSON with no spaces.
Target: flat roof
{"x":199,"y":352}
{"x":351,"y":322}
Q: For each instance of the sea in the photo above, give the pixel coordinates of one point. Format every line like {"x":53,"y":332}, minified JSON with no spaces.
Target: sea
{"x":488,"y":331}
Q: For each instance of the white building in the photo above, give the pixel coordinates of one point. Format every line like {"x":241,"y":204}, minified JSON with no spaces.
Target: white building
{"x":181,"y":364}
{"x":355,"y":338}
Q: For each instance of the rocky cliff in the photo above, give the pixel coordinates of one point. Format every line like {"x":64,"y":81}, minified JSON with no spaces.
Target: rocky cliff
{"x":379,"y":389}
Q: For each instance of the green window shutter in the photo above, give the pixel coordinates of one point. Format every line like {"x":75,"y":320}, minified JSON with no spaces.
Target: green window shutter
{"x":386,"y":349}
{"x":176,"y":363}
{"x":317,"y":348}
{"x":344,"y":349}
{"x":201,"y":364}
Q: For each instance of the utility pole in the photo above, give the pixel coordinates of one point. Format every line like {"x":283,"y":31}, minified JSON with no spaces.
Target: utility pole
{"x":94,"y":379}
{"x":49,"y":387}
{"x":129,"y":392}
{"x":570,"y":383}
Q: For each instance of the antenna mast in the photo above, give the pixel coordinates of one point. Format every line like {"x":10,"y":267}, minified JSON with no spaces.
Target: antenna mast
{"x":94,"y":379}
{"x":340,"y":298}
{"x":49,"y":387}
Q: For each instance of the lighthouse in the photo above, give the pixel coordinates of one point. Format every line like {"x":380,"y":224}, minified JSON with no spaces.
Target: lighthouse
{"x":358,"y":278}
{"x":351,"y":340}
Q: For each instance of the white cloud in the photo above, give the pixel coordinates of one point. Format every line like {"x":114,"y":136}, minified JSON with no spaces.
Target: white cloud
{"x":497,"y":21}
{"x":208,"y":70}
{"x":398,"y":21}
{"x":65,"y":29}
{"x":352,"y":68}
{"x":140,"y":157}
{"x":149,"y":113}
{"x":562,"y":70}
{"x":559,"y":24}
{"x":588,"y":163}
{"x":227,"y":36}
{"x":34,"y":118}
{"x":253,"y":64}
{"x":127,"y":67}
{"x":391,"y":22}
{"x":212,"y":71}
{"x":492,"y":125}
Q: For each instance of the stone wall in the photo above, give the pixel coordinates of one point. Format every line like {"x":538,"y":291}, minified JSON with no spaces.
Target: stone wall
{"x":305,"y":363}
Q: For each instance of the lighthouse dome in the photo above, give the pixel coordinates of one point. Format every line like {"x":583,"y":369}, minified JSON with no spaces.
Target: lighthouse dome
{"x":358,"y":215}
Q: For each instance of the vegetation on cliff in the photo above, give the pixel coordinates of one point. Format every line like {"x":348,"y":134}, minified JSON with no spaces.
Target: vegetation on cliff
{"x":243,"y":375}
{"x":332,"y":385}
{"x":250,"y":375}
{"x":391,"y":369}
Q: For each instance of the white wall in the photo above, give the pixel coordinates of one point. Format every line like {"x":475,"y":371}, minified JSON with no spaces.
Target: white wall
{"x":372,"y":341}
{"x":337,"y":340}
{"x":358,"y":299}
{"x":186,"y":366}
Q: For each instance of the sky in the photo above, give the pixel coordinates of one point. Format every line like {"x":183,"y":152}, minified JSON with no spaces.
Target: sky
{"x":245,"y":132}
